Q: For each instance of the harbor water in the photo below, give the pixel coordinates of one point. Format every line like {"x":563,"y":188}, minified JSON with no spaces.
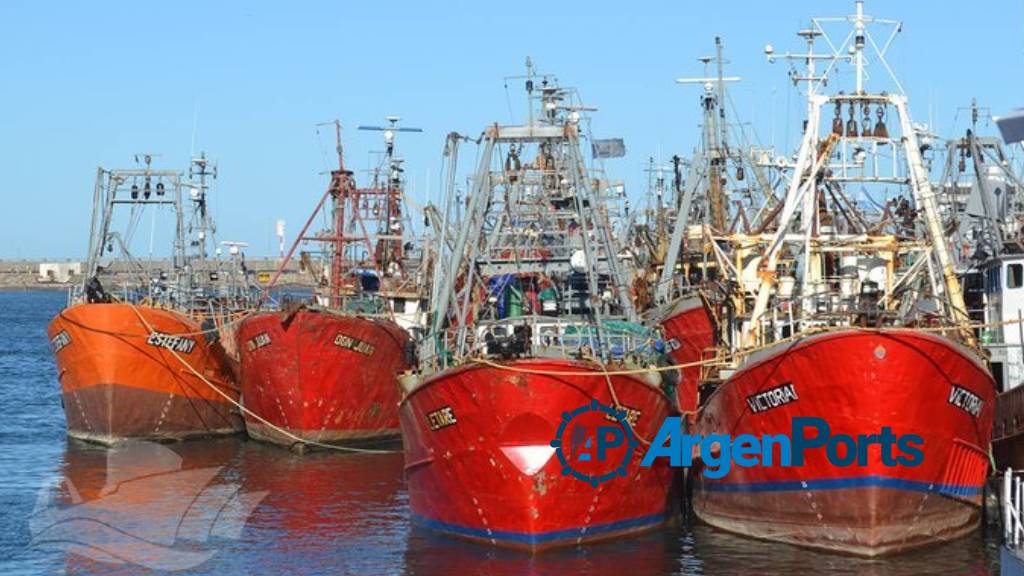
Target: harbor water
{"x":321,"y":513}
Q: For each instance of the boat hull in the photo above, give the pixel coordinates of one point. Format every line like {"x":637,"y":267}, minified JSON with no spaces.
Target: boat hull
{"x":689,"y":330}
{"x":858,"y":382}
{"x":485,"y":470}
{"x":119,"y":382}
{"x":321,"y":376}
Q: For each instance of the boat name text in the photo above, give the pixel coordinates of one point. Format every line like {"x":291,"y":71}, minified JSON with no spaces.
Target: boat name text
{"x":772,"y":398}
{"x":966,"y":400}
{"x":441,"y":418}
{"x":172,"y":343}
{"x":258,"y":341}
{"x":632,"y":415}
{"x":58,"y":342}
{"x":353,"y":344}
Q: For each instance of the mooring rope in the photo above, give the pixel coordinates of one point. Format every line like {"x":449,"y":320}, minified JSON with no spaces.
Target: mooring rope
{"x":615,"y":397}
{"x":721,"y":360}
{"x":245,"y":410}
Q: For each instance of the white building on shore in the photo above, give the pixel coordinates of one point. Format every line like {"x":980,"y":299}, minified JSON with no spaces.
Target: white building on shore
{"x":59,"y":272}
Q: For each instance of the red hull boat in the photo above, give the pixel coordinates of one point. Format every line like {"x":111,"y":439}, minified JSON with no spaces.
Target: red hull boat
{"x":327,"y":373}
{"x":480,"y":465}
{"x":689,"y":330}
{"x":858,"y":381}
{"x":322,"y":376}
{"x":515,"y":433}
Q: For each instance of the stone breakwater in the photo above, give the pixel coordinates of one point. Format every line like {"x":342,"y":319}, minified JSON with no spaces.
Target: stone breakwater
{"x":24,"y":274}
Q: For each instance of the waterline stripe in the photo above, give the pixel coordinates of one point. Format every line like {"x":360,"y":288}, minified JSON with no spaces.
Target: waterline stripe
{"x":540,"y":537}
{"x":841,"y":483}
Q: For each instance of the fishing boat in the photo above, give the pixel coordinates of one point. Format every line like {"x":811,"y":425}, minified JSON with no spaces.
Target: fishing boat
{"x":685,"y":299}
{"x":855,"y":315}
{"x":148,"y":359}
{"x":324,"y":371}
{"x":686,"y":321}
{"x":532,"y":326}
{"x":981,"y":195}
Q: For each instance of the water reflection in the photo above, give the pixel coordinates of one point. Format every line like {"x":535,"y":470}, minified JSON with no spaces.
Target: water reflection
{"x":728,"y":554}
{"x":139,"y":504}
{"x":325,"y":512}
{"x":429,"y":554}
{"x":330,"y":513}
{"x":322,"y":513}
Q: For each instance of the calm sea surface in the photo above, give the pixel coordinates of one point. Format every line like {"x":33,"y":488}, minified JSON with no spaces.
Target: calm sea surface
{"x":67,"y":507}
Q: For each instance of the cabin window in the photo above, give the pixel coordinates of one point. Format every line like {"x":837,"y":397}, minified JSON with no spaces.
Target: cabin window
{"x":992,"y":285}
{"x":1014,"y":275}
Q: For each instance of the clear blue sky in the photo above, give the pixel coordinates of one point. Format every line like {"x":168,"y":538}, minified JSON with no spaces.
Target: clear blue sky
{"x":91,"y":83}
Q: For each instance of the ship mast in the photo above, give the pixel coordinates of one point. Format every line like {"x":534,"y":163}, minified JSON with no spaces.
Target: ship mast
{"x":201,"y":222}
{"x":815,"y":174}
{"x":532,"y":211}
{"x":709,"y":169}
{"x":342,"y":185}
{"x":347,"y":240}
{"x":353,"y":246}
{"x":390,"y":218}
{"x":136,"y":189}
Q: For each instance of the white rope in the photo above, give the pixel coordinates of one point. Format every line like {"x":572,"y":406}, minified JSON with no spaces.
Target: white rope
{"x":245,"y":410}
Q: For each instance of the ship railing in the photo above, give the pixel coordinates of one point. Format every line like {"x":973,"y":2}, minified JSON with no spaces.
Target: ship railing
{"x":544,"y":336}
{"x":711,"y":361}
{"x":200,"y":302}
{"x":1013,"y":509}
{"x":566,"y":341}
{"x":799,"y":313}
{"x":613,"y":347}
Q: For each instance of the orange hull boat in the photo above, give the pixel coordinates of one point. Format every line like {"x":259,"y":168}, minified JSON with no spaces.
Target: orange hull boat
{"x":120,"y":381}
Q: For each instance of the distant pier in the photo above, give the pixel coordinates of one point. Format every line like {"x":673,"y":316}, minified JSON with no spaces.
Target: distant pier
{"x":60,"y":274}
